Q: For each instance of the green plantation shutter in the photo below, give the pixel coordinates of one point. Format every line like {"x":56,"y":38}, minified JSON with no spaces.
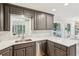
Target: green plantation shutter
{"x":68,"y":27}
{"x":23,"y":28}
{"x":17,"y":29}
{"x":56,"y":27}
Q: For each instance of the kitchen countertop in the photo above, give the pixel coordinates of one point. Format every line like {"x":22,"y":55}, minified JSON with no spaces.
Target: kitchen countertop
{"x":9,"y":40}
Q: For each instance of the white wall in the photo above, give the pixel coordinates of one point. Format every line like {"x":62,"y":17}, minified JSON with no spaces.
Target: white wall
{"x":64,"y":22}
{"x":72,"y":22}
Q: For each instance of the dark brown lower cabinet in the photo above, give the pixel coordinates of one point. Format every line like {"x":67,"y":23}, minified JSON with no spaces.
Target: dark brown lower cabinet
{"x":47,"y":48}
{"x":43,"y":47}
{"x":7,"y":51}
{"x":19,"y":52}
{"x":71,"y":51}
{"x":26,"y":49}
{"x":59,"y":52}
{"x":30,"y":51}
{"x":50,"y":48}
{"x":55,"y":49}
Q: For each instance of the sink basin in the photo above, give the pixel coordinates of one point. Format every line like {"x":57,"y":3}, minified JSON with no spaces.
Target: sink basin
{"x":25,"y":40}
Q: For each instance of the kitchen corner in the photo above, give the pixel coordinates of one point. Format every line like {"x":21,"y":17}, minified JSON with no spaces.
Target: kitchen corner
{"x":25,"y":31}
{"x":35,"y":36}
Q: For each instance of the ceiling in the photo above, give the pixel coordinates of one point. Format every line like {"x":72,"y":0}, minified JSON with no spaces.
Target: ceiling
{"x":62,"y":12}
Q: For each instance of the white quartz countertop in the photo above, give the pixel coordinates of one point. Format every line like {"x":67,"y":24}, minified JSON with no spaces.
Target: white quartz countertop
{"x":36,"y":37}
{"x":62,"y":41}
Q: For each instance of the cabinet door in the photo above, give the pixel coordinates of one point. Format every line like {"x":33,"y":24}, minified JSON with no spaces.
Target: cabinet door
{"x":7,"y":52}
{"x":6,"y":18}
{"x":30,"y":51}
{"x":59,"y":52}
{"x":49,"y":22}
{"x":40,"y":21}
{"x":50,"y":48}
{"x":19,"y":52}
{"x":43,"y":47}
{"x":16,"y":10}
{"x":26,"y":49}
{"x":30,"y":14}
{"x":1,"y":17}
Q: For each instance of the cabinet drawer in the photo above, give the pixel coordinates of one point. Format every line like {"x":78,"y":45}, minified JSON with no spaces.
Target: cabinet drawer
{"x":23,"y":45}
{"x":60,"y":46}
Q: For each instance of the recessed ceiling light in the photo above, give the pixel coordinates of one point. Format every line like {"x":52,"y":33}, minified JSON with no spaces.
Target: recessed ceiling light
{"x":66,"y":4}
{"x":54,"y":9}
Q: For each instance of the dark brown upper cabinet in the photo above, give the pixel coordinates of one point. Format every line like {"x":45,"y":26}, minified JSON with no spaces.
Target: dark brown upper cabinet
{"x":43,"y":21}
{"x":30,"y":14}
{"x":16,"y":10}
{"x":50,"y":20}
{"x":6,"y":17}
{"x":40,"y":21}
{"x":1,"y":17}
{"x":8,"y":10}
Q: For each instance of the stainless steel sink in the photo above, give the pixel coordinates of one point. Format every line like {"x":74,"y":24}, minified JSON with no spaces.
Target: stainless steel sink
{"x":25,"y":40}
